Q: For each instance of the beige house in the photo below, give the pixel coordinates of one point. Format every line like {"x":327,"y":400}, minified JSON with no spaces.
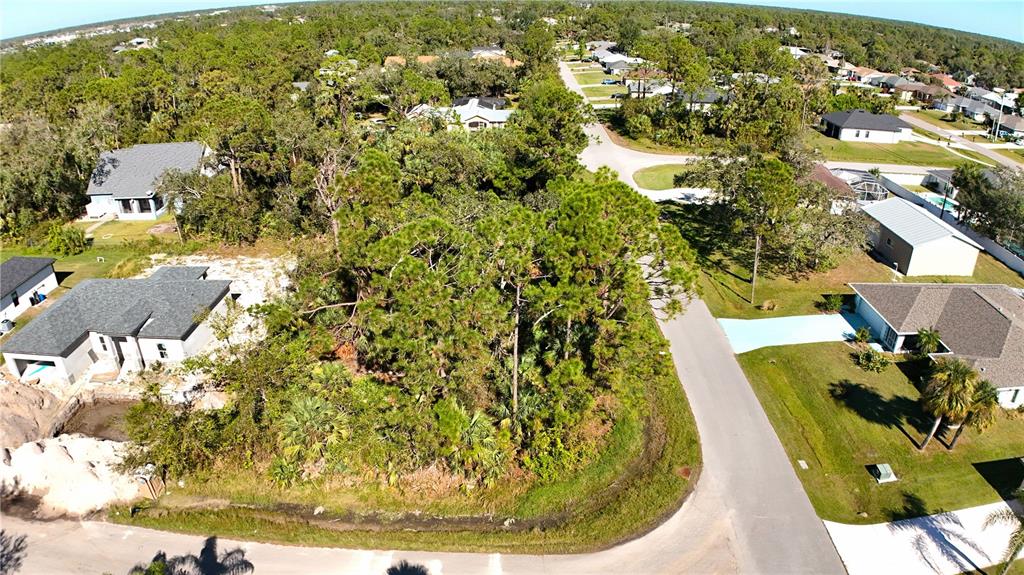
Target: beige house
{"x":916,"y":243}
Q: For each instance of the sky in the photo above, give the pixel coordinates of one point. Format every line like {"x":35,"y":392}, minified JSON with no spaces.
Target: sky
{"x":1002,"y":18}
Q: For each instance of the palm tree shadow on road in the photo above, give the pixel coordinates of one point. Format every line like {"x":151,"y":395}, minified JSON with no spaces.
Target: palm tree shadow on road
{"x":936,"y":536}
{"x":208,"y":562}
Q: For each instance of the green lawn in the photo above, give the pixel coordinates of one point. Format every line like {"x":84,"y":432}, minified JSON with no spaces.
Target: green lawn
{"x":838,"y":419}
{"x":592,"y":77}
{"x":935,"y":118}
{"x":603,"y":91}
{"x":724,"y":279}
{"x":116,"y":232}
{"x":909,"y":153}
{"x":1016,"y":155}
{"x":658,"y":177}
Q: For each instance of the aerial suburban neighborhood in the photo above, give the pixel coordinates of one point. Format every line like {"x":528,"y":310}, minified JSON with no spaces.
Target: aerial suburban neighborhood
{"x":410,"y":288}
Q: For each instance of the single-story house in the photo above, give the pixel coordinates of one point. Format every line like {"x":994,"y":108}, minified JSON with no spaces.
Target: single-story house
{"x":472,"y":114}
{"x":124,"y":182}
{"x":888,"y":82}
{"x":977,"y":93}
{"x":861,"y":126}
{"x":974,"y":109}
{"x":1013,"y":125}
{"x":594,"y":45}
{"x":648,"y":88}
{"x":982,"y":324}
{"x":24,"y":282}
{"x":125,"y":323}
{"x":917,"y":243}
{"x":923,"y":92}
{"x":617,"y":67}
{"x":947,"y":81}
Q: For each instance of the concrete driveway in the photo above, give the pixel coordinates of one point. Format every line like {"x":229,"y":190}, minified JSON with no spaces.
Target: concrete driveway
{"x":749,"y":334}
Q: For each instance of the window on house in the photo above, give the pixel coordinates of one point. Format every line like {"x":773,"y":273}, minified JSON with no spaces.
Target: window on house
{"x":14,"y":298}
{"x":857,"y":135}
{"x":1016,"y":393}
{"x":158,"y":202}
{"x":103,"y":343}
{"x":126,"y":206}
{"x":888,"y":241}
{"x":867,"y":134}
{"x":475,"y":125}
{"x":162,"y":349}
{"x":145,"y":207}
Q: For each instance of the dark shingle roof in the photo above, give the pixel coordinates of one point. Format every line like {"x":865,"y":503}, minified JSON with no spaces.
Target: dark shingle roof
{"x":861,"y":120}
{"x":132,"y":172}
{"x":18,"y":270}
{"x":179,"y":273}
{"x":981,"y":323}
{"x":160,"y":306}
{"x":488,"y":102}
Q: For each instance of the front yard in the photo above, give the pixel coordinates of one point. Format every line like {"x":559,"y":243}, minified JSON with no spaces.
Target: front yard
{"x":907,"y":153}
{"x":838,"y":419}
{"x":592,"y":77}
{"x":936,"y":118}
{"x":603,"y":91}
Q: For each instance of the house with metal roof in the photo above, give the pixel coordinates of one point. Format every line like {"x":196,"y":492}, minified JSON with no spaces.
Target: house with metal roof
{"x":24,"y":282}
{"x":916,"y":243}
{"x":124,"y":182}
{"x":122,"y":324}
{"x":472,"y":114}
{"x":982,"y":324}
{"x":862,"y":126}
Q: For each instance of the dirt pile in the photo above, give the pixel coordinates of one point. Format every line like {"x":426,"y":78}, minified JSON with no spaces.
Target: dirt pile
{"x":26,"y":413}
{"x":69,"y":475}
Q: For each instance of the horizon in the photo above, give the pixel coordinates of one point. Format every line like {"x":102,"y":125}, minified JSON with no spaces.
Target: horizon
{"x":1003,"y":19}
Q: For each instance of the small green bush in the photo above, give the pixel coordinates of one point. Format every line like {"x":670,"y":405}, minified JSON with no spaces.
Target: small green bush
{"x":65,"y":240}
{"x":832,"y":302}
{"x":873,"y":361}
{"x":863,"y":335}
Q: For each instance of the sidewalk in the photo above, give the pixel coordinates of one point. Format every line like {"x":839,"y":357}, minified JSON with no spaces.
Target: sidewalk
{"x":943,"y":544}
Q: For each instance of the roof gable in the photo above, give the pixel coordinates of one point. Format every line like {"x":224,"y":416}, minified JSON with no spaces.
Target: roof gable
{"x":133,"y":172}
{"x":18,"y":270}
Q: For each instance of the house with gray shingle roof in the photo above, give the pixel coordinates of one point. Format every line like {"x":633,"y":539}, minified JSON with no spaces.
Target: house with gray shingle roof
{"x":982,"y":324}
{"x":916,"y":243}
{"x":124,"y":181}
{"x":24,"y":282}
{"x":126,"y":324}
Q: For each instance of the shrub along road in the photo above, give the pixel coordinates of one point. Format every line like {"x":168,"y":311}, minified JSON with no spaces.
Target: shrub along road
{"x":748,"y":513}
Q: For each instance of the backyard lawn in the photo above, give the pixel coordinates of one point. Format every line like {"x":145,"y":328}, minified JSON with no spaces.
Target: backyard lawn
{"x":594,"y":77}
{"x":838,"y":419}
{"x":909,"y":153}
{"x":658,"y":177}
{"x":935,"y":117}
{"x":724,"y":281}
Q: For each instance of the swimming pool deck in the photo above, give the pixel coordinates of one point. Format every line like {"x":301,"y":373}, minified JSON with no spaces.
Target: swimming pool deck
{"x":750,"y":334}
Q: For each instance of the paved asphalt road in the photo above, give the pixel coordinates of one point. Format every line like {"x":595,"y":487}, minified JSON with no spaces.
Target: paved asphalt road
{"x":993,"y":155}
{"x":748,"y":514}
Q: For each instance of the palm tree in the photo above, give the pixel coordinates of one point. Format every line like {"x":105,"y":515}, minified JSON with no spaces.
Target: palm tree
{"x":949,"y":393}
{"x":1007,"y":516}
{"x":984,"y":407}
{"x":928,"y":341}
